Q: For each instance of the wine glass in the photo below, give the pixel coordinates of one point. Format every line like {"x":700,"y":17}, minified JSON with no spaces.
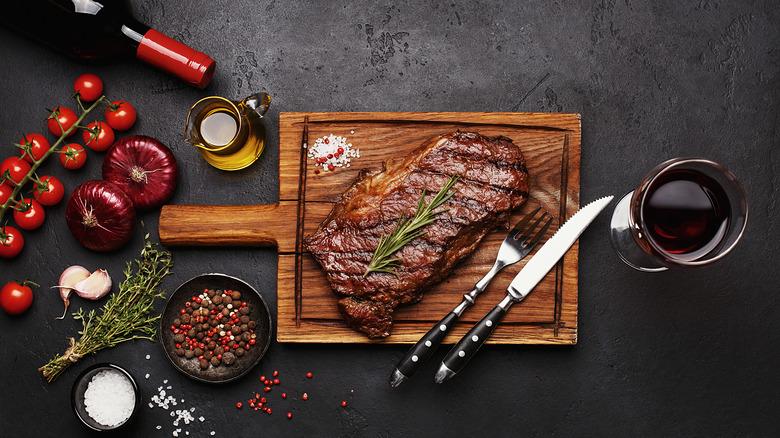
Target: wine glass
{"x":686,"y":213}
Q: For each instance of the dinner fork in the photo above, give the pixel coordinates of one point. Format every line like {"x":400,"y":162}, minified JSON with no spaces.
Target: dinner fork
{"x":517,"y":244}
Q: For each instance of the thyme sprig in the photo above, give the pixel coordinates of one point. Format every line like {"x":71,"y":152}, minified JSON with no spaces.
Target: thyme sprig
{"x":407,"y":230}
{"x":127,"y":315}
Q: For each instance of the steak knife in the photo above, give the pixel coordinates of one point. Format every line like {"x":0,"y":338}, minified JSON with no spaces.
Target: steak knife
{"x":525,"y":281}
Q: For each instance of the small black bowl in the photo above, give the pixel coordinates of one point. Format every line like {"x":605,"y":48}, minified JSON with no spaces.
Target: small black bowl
{"x":80,"y":387}
{"x":222,"y":373}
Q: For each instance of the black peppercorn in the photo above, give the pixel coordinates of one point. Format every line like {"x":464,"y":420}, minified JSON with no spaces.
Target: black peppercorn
{"x":180,"y":352}
{"x":228,"y":358}
{"x":189,"y":354}
{"x":214,"y":361}
{"x":204,"y":364}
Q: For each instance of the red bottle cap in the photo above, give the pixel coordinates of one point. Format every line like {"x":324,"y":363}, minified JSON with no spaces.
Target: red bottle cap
{"x":176,"y":58}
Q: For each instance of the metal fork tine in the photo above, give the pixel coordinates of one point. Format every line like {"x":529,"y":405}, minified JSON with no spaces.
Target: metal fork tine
{"x":542,"y":232}
{"x":531,"y":229}
{"x":520,"y":227}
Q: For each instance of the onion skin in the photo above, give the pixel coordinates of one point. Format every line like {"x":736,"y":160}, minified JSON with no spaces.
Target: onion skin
{"x":100,"y":216}
{"x":144,"y":168}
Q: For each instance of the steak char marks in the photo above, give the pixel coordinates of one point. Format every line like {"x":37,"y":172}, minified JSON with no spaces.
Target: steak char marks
{"x":493,"y":181}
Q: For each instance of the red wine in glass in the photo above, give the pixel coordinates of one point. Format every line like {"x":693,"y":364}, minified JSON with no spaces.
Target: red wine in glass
{"x":686,"y":213}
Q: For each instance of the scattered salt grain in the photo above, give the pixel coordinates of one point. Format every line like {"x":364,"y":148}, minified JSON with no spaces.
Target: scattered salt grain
{"x":212,"y":433}
{"x":146,"y":376}
{"x":181,"y":417}
{"x":325,"y":152}
{"x":158,"y":427}
{"x":109,"y":398}
{"x":148,"y":357}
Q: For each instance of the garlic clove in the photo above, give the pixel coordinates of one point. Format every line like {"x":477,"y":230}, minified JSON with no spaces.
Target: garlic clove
{"x":68,"y":278}
{"x":94,"y":287}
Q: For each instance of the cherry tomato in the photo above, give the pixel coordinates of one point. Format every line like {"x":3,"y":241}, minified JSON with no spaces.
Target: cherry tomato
{"x":51,"y":193}
{"x":101,"y":139}
{"x":5,"y":193}
{"x":38,"y":146}
{"x":120,"y":115}
{"x":15,"y":298}
{"x":11,"y":242}
{"x":31,"y":216}
{"x":73,"y":156}
{"x":89,"y":87}
{"x":16,"y":169}
{"x":65,"y":116}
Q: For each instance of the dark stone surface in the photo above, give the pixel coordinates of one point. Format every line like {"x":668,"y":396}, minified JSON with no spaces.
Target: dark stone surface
{"x":671,"y":354}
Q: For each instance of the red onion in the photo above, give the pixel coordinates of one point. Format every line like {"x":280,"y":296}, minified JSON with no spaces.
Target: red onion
{"x":144,"y":168}
{"x":100,"y":216}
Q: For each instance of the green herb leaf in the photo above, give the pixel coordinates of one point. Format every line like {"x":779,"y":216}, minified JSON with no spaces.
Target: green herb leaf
{"x":407,"y":230}
{"x":124,"y":317}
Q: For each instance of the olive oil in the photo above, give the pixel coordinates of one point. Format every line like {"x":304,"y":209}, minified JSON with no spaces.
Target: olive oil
{"x":229,"y":135}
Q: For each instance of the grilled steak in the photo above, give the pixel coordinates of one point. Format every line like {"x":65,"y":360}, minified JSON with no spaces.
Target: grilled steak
{"x":493,"y":181}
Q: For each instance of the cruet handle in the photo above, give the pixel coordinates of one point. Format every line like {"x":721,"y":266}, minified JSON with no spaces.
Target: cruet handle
{"x":258,"y":102}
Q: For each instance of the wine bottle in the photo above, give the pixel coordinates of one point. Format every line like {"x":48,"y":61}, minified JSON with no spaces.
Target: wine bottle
{"x":92,"y":30}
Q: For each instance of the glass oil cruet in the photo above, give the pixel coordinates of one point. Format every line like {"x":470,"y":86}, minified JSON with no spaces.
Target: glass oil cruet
{"x":230,"y":135}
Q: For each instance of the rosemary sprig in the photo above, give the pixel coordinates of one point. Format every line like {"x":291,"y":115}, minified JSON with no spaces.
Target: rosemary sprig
{"x":124,"y":317}
{"x":407,"y":230}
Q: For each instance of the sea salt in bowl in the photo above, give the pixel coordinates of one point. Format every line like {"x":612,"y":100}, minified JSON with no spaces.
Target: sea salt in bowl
{"x":105,"y":397}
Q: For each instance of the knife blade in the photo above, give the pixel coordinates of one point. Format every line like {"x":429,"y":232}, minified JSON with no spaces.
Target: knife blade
{"x":524,"y":282}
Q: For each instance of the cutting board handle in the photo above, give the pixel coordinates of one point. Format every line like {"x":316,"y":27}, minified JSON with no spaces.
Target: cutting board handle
{"x":229,"y":225}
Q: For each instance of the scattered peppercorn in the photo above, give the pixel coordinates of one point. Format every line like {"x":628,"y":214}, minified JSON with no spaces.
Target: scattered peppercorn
{"x":239,"y":405}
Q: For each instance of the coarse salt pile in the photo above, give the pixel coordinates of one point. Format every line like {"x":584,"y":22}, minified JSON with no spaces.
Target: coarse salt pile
{"x":109,"y":398}
{"x":331,"y":152}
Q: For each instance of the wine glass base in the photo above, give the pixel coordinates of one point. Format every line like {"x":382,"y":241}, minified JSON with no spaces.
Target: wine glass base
{"x":623,"y":242}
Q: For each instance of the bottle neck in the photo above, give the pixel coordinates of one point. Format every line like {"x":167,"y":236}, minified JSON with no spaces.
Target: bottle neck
{"x":171,"y":56}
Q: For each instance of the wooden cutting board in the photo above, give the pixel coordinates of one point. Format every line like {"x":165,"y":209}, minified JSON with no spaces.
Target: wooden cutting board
{"x":306,"y":306}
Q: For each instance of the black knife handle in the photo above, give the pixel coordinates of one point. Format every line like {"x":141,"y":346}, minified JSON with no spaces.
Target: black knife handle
{"x":464,"y":350}
{"x":423,"y":349}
